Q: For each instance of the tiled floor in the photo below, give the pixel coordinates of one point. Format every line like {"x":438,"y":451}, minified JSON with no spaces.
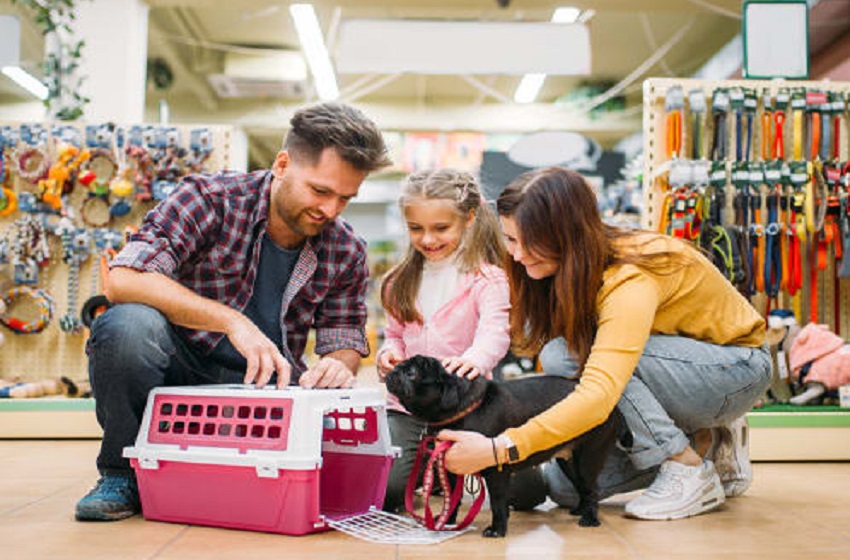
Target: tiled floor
{"x":793,"y":510}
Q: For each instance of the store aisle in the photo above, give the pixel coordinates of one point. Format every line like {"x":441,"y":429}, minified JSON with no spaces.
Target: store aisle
{"x":793,"y":510}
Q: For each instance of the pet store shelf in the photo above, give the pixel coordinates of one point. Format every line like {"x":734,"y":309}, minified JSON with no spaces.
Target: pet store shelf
{"x":777,"y":433}
{"x":795,"y":433}
{"x":48,"y":418}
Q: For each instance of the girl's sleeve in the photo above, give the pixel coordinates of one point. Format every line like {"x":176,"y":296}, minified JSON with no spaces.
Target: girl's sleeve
{"x":393,"y":337}
{"x":492,"y":334}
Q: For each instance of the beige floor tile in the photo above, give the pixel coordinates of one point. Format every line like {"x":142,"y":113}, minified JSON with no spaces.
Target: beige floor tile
{"x":793,"y":510}
{"x":214,"y":544}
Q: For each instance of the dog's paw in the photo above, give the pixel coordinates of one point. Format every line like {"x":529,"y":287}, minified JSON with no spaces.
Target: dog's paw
{"x":589,"y":520}
{"x":492,"y":533}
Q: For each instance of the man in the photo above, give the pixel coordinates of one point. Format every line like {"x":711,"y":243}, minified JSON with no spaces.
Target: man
{"x":224,"y":280}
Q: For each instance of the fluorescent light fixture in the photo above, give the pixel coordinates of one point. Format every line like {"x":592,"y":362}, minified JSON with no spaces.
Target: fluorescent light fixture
{"x":310,"y":35}
{"x":585,"y":16}
{"x":26,"y":81}
{"x":528,"y":88}
{"x":530,"y":85}
{"x":566,"y":14}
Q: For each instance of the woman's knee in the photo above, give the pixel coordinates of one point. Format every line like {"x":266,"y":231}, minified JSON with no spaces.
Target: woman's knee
{"x":556,"y":359}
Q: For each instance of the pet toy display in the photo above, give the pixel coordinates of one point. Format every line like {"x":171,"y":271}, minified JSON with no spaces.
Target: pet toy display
{"x":63,"y":188}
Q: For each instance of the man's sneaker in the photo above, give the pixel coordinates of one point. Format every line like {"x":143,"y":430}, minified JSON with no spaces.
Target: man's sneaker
{"x":114,"y":497}
{"x":730,"y":454}
{"x":679,"y":491}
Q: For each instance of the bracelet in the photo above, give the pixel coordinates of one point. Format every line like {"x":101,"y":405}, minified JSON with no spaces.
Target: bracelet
{"x":102,"y":163}
{"x":32,"y":163}
{"x":45,"y":306}
{"x":94,"y":211}
{"x":495,"y":454}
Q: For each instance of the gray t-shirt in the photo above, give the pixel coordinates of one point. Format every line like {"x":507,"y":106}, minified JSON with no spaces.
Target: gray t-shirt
{"x":273,"y":273}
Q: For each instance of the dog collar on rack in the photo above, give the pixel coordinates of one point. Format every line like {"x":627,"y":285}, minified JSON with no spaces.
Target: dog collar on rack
{"x":462,"y":414}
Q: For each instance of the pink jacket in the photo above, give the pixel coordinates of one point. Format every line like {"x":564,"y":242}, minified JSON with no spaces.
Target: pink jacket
{"x":472,"y":325}
{"x":829,"y":354}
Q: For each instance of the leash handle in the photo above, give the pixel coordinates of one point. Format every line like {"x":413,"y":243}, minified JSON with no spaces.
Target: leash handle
{"x":451,"y":496}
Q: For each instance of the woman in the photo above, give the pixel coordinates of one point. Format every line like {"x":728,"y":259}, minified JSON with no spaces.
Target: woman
{"x":649,"y":325}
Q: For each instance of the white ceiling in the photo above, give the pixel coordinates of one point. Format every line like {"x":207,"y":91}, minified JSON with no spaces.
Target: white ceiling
{"x":192,"y":36}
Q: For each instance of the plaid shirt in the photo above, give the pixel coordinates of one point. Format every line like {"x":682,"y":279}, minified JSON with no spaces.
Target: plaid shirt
{"x":207,"y":236}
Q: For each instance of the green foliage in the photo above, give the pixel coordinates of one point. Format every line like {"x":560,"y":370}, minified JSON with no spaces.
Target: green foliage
{"x":56,"y":17}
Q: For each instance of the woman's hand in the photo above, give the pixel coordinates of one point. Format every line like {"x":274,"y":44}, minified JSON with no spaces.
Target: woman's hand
{"x":471,"y":452}
{"x":461,"y":367}
{"x":387,"y":360}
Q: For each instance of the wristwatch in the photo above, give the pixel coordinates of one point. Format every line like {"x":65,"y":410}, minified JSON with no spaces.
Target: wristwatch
{"x":510,"y":447}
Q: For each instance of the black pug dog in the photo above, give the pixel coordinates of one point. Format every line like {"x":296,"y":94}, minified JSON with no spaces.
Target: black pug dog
{"x":433,"y":395}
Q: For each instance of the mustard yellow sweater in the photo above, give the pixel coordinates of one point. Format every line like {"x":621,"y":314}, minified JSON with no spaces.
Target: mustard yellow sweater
{"x":696,"y":301}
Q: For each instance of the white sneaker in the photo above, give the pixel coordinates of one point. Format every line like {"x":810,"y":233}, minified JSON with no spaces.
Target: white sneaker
{"x":679,"y":491}
{"x":729,"y":451}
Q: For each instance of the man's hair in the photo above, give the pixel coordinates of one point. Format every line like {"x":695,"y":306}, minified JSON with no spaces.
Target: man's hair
{"x":354,"y":137}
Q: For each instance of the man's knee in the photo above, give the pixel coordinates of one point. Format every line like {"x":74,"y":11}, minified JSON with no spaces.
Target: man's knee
{"x":127,"y":337}
{"x":130,"y":322}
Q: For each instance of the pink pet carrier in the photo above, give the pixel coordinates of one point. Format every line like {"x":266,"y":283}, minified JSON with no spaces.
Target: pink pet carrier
{"x":281,"y":461}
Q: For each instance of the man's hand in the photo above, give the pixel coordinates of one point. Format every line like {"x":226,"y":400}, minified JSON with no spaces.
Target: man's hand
{"x":262,"y":354}
{"x":387,"y":360}
{"x":461,"y":367}
{"x":472,"y":452}
{"x":328,"y":373}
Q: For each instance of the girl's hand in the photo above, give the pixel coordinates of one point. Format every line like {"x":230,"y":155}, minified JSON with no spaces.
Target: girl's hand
{"x":387,"y":360}
{"x":461,"y":368}
{"x":471,"y":452}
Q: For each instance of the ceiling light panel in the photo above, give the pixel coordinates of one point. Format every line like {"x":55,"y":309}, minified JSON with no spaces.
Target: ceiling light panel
{"x":441,"y":47}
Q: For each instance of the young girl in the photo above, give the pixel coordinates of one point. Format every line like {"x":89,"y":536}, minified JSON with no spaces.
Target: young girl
{"x":448,"y":298}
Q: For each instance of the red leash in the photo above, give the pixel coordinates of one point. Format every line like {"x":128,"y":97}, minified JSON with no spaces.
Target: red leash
{"x":451,"y":496}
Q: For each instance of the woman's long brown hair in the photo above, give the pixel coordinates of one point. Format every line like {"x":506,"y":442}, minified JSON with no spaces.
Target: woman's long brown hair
{"x":557,"y":219}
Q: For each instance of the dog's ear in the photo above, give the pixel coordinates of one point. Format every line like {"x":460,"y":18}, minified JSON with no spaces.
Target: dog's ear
{"x":451,"y":397}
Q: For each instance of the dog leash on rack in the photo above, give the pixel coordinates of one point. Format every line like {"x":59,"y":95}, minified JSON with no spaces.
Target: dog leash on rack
{"x":696,"y":99}
{"x":674,"y":105}
{"x":719,"y":109}
{"x":436,"y":466}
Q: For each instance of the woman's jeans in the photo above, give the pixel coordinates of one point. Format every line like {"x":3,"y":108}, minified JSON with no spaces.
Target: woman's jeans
{"x":680,"y":385}
{"x":132,"y":349}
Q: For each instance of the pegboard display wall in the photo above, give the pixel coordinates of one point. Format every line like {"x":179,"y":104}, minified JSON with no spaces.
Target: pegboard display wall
{"x":749,"y":160}
{"x":70,"y":195}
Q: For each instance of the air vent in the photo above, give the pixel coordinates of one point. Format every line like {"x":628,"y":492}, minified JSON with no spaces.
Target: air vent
{"x":228,"y":87}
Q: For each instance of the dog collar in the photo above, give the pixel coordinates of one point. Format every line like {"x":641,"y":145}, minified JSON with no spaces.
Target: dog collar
{"x":463,"y":413}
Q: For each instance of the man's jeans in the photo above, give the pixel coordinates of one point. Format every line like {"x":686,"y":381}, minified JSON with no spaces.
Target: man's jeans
{"x":133,"y":349}
{"x":680,"y":385}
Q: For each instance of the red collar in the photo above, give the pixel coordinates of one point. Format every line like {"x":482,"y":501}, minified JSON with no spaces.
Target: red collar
{"x":463,"y":413}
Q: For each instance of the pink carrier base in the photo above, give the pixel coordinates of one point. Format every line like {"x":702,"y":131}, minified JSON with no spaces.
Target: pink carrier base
{"x":296,"y":503}
{"x":331,"y":462}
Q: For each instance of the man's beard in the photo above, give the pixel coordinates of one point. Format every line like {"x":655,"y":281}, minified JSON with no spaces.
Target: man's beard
{"x":299,"y":223}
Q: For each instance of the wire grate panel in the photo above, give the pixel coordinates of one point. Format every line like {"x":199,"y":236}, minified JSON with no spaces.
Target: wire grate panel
{"x":386,"y":528}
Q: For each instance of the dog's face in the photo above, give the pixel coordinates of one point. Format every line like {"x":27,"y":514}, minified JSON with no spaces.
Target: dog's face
{"x":427,"y":390}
